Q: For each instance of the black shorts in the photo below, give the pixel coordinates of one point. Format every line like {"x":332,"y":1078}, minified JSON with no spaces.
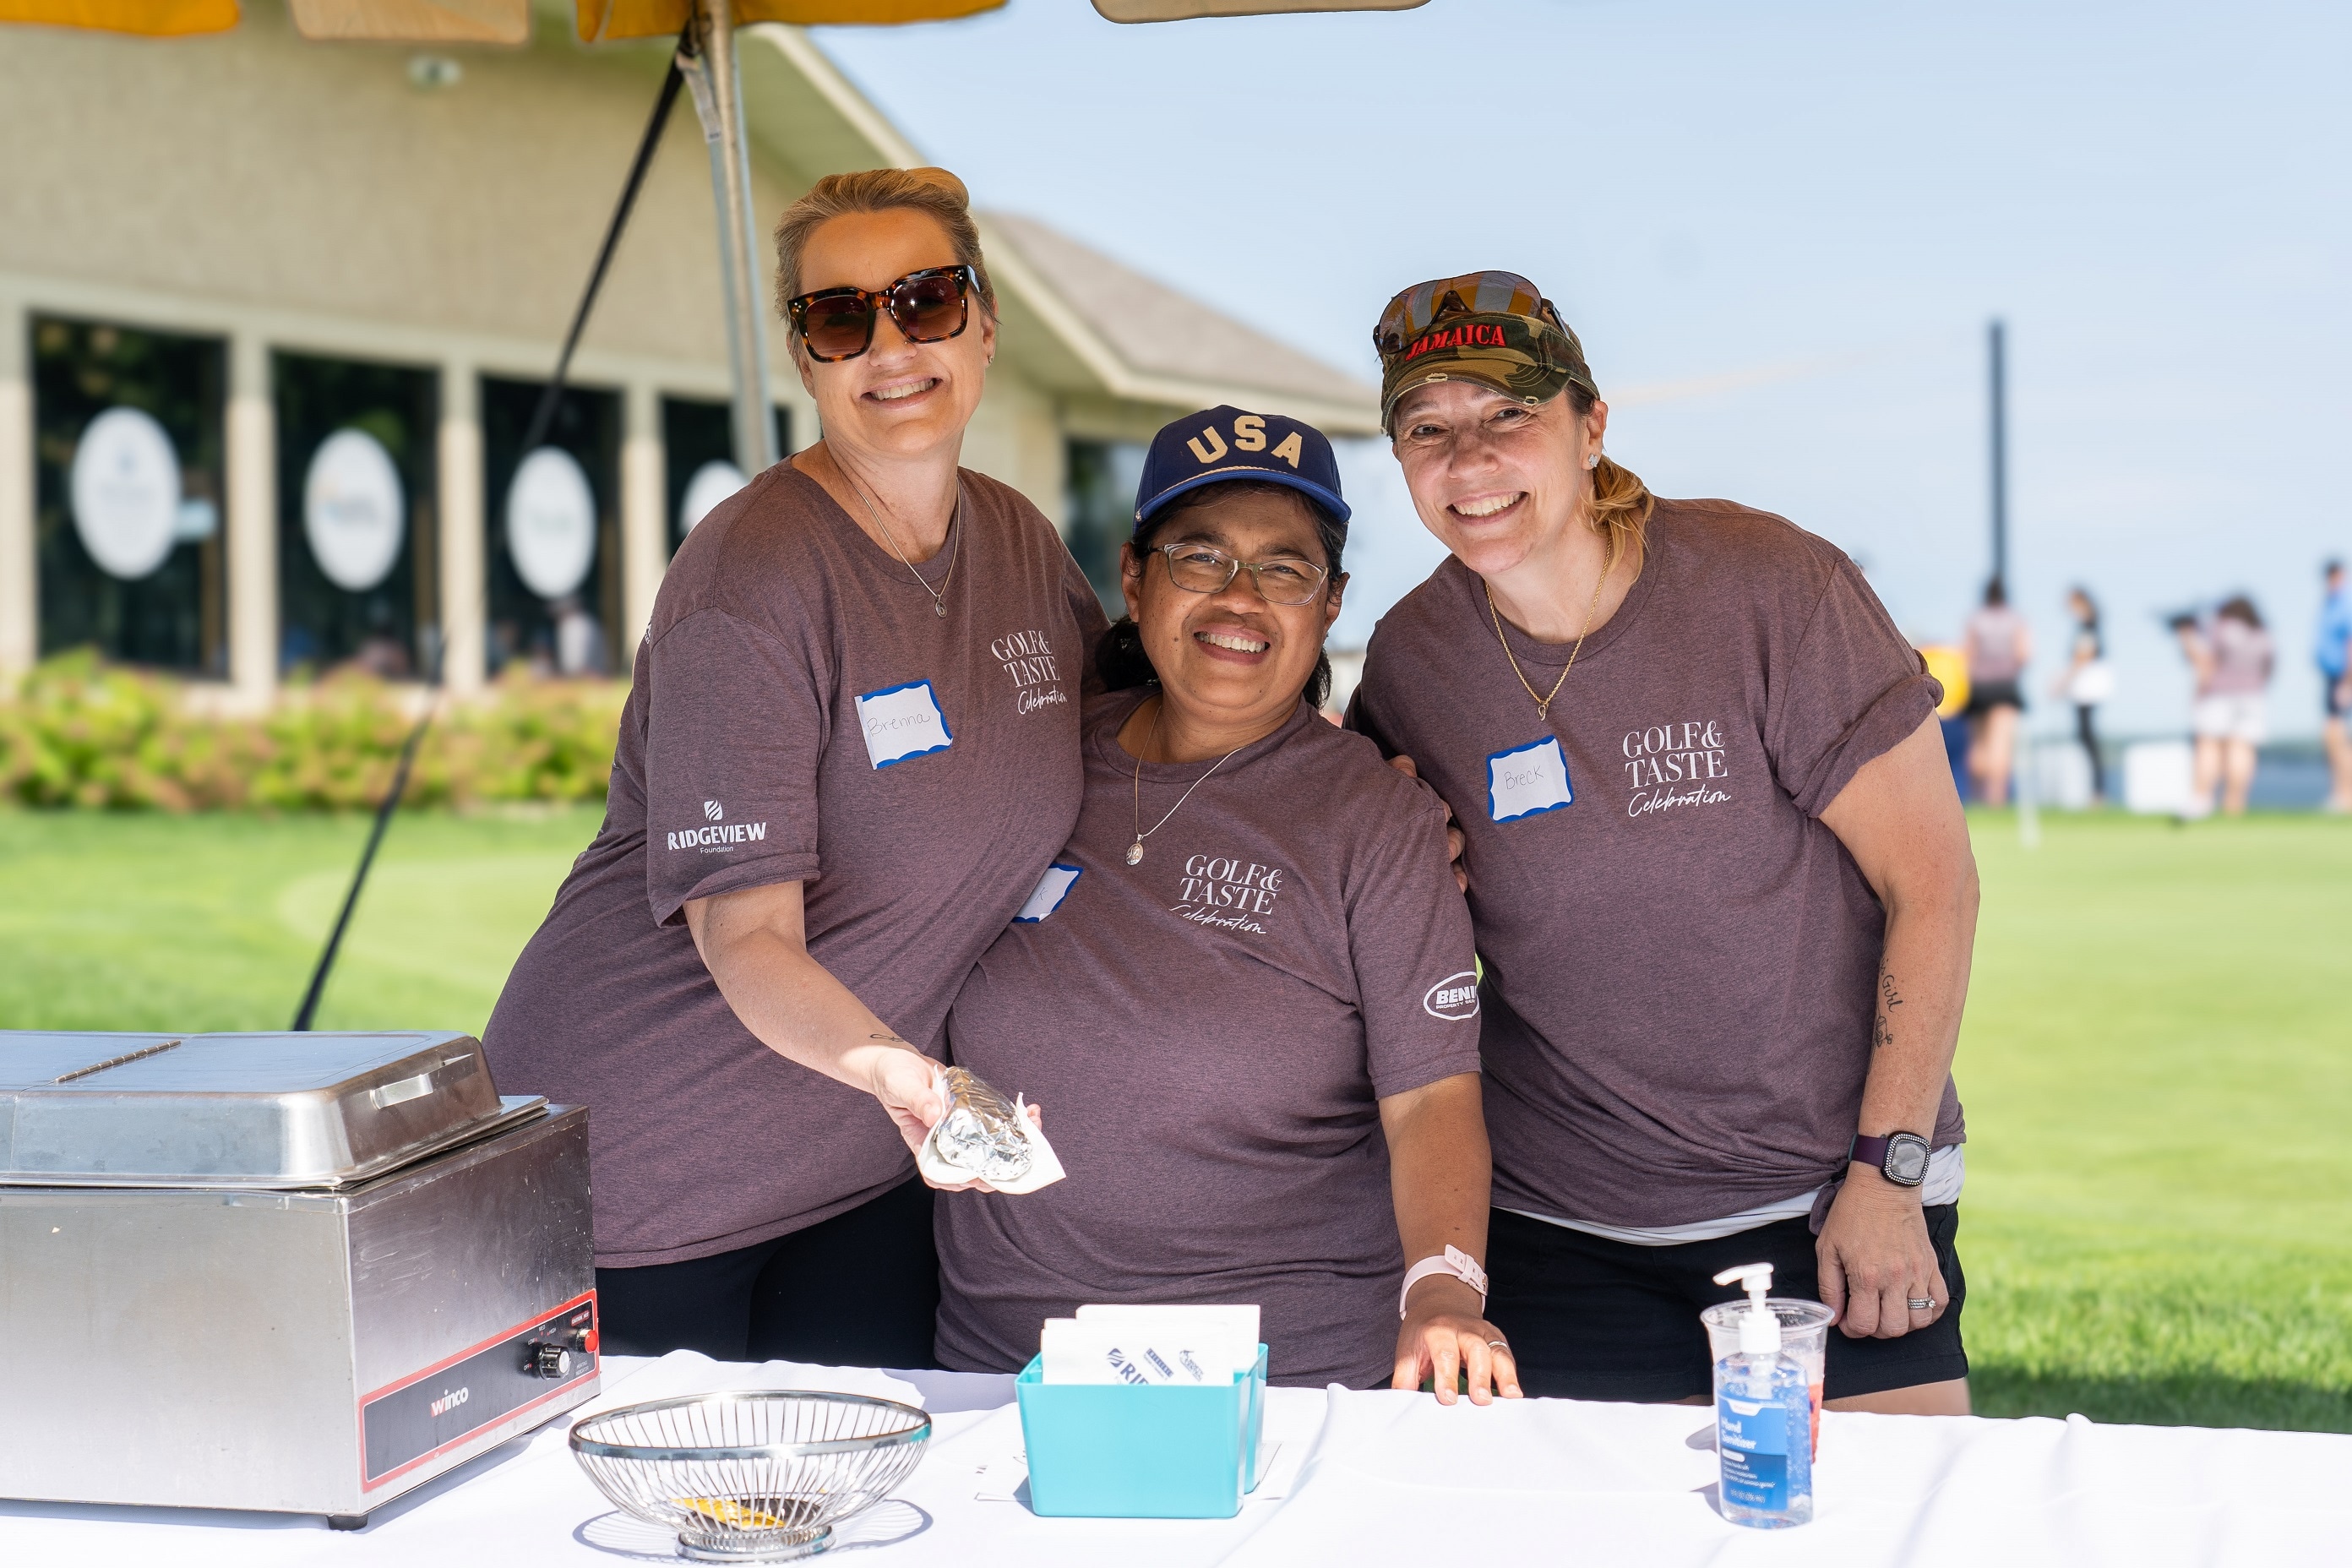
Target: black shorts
{"x":1588,"y":1318}
{"x":1985,"y":696}
{"x":2331,"y":695}
{"x":859,"y":1290}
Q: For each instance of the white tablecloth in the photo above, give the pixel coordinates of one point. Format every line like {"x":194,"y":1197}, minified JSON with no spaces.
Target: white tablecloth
{"x":1366,"y":1479}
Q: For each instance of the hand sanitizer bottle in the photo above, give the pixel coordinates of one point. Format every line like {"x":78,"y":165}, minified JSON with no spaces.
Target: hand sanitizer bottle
{"x":1763,"y":1418}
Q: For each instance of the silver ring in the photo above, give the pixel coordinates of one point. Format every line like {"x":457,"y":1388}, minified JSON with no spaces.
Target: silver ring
{"x":1498,"y":1345}
{"x":1916,"y":1305}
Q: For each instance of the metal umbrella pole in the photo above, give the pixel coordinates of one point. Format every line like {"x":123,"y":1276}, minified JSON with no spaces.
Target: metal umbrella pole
{"x":718,"y":86}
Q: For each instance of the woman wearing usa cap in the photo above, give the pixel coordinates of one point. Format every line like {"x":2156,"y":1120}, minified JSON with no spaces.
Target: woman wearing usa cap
{"x":850,"y":747}
{"x":1720,"y":879}
{"x":1244,"y":991}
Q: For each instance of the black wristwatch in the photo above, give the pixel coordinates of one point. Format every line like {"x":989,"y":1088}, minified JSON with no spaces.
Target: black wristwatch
{"x":1901,"y":1157}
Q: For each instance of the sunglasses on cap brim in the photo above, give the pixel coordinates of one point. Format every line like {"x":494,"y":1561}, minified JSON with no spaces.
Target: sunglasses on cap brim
{"x":1422,"y":306}
{"x":928,"y":307}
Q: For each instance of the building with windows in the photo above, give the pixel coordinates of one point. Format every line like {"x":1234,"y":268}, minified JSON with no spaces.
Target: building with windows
{"x":274,"y":316}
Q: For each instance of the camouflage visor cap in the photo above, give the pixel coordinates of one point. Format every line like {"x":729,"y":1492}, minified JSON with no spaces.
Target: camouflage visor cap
{"x":1493,"y":328}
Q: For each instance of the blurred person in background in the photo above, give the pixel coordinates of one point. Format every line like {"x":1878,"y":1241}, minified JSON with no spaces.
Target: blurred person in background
{"x":1950,"y":666}
{"x":579,"y":639}
{"x":2333,"y":650}
{"x":2231,"y":655}
{"x":1722,"y":888}
{"x":851,"y":747}
{"x":2088,"y":680}
{"x":1998,"y":646}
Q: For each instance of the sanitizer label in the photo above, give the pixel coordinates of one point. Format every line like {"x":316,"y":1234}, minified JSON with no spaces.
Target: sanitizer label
{"x":1753,"y":1439}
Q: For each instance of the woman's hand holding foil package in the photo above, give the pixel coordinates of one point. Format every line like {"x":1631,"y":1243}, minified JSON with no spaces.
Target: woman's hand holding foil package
{"x":983,"y":1142}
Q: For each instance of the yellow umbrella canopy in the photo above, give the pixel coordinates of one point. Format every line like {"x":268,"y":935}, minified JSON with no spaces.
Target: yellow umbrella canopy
{"x":508,"y":21}
{"x":466,"y":21}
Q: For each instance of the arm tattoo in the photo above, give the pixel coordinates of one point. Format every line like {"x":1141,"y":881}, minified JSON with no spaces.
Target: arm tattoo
{"x":890,"y":1040}
{"x":1882,"y":1029}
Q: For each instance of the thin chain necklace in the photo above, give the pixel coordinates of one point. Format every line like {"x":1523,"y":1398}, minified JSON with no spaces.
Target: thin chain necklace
{"x":1543,"y":703}
{"x":955,"y":542}
{"x":1135,"y":850}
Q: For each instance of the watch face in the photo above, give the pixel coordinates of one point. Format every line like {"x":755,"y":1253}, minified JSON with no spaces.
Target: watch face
{"x":1906,"y":1160}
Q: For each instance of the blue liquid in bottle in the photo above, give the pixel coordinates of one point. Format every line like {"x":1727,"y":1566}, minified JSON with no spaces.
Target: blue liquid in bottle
{"x":1763,"y":1417}
{"x":1763,"y":1434}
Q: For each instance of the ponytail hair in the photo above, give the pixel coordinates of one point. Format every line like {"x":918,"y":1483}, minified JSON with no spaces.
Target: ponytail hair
{"x":1622,"y":503}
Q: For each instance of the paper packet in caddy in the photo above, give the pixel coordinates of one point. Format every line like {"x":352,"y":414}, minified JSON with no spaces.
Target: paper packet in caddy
{"x":985,"y":1136}
{"x":1804,"y":1335}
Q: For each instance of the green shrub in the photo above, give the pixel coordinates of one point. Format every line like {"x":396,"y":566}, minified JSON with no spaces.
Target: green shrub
{"x":75,"y":732}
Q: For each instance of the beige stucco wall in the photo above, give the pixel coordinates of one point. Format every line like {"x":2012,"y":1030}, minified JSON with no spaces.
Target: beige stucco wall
{"x":285,"y":194}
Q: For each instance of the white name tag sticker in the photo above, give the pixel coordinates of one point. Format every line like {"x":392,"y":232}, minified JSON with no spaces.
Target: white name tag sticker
{"x":1052,"y":888}
{"x":1527,"y":781}
{"x":902,"y":721}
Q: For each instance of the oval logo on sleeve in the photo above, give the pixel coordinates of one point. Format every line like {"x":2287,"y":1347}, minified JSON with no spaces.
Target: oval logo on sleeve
{"x":1527,"y":781}
{"x":1453,"y":998}
{"x":903,"y":722}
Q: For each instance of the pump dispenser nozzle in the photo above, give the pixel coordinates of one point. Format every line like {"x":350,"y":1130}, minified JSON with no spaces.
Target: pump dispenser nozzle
{"x":1760,"y":1330}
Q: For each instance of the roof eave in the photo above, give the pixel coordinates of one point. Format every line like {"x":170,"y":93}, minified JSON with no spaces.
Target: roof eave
{"x":1110,"y":372}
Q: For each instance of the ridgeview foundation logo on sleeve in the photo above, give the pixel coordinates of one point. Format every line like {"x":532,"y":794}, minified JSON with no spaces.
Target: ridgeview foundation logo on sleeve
{"x":718,"y":836}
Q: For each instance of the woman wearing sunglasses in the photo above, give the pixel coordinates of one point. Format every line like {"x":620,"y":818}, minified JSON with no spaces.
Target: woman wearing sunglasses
{"x":1243,"y":992}
{"x":850,"y":748}
{"x":1721,"y":878}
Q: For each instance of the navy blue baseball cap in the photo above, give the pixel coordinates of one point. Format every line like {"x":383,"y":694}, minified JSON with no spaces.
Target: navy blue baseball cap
{"x":1229,"y":443}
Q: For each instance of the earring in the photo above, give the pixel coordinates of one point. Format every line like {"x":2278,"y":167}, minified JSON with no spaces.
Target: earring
{"x":1593,"y":461}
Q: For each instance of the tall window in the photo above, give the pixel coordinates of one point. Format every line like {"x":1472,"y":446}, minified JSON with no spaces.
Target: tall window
{"x":554,"y":523}
{"x":128,"y":448}
{"x":357,"y":575}
{"x":698,"y":455}
{"x":1101,"y":511}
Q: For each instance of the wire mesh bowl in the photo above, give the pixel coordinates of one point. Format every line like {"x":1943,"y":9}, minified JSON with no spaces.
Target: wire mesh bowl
{"x":753,"y":1477}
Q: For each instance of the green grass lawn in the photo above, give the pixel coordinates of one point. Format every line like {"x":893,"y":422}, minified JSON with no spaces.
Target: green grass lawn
{"x":2158,"y":1063}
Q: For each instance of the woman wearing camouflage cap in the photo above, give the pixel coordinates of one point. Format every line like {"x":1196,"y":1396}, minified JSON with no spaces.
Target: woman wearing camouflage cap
{"x":1720,"y":879}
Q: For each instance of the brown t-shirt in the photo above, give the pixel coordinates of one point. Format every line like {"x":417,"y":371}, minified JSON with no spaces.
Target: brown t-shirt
{"x":1208,"y":1034}
{"x":1680,"y":957}
{"x":801,"y":712}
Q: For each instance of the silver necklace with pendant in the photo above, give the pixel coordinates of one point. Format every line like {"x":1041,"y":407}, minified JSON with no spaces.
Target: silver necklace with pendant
{"x":939,"y":594}
{"x":1135,"y":850}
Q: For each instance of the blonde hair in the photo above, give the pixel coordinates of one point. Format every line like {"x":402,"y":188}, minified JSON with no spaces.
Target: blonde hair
{"x":932,"y":192}
{"x":1622,"y":503}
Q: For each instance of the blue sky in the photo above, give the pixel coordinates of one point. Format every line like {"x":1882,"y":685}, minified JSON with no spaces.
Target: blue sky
{"x":1779,"y":229}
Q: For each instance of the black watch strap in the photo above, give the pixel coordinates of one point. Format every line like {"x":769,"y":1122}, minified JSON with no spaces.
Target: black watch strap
{"x":1900,"y":1157}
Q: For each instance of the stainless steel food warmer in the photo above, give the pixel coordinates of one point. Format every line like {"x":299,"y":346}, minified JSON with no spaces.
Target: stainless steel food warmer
{"x":305,"y":1273}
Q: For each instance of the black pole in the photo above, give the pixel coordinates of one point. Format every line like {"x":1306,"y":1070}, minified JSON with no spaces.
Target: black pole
{"x":2000,"y":455}
{"x":309,"y":1007}
{"x":541,"y":418}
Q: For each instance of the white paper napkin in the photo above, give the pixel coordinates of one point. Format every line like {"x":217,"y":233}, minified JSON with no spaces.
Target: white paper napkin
{"x":1045,"y":1168}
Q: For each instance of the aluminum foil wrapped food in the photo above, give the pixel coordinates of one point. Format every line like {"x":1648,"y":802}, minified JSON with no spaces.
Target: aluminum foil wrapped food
{"x":985,"y":1136}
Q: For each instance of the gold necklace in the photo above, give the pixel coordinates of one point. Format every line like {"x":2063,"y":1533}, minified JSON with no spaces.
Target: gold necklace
{"x":1135,"y":850}
{"x":939,"y":594}
{"x":1543,"y":703}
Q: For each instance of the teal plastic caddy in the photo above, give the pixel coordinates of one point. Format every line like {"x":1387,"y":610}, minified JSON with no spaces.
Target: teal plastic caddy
{"x":1123,"y":1450}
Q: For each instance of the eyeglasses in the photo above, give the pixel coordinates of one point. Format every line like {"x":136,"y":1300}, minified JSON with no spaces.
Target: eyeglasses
{"x":929,"y":307}
{"x":1422,"y":306}
{"x":1204,"y":569}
